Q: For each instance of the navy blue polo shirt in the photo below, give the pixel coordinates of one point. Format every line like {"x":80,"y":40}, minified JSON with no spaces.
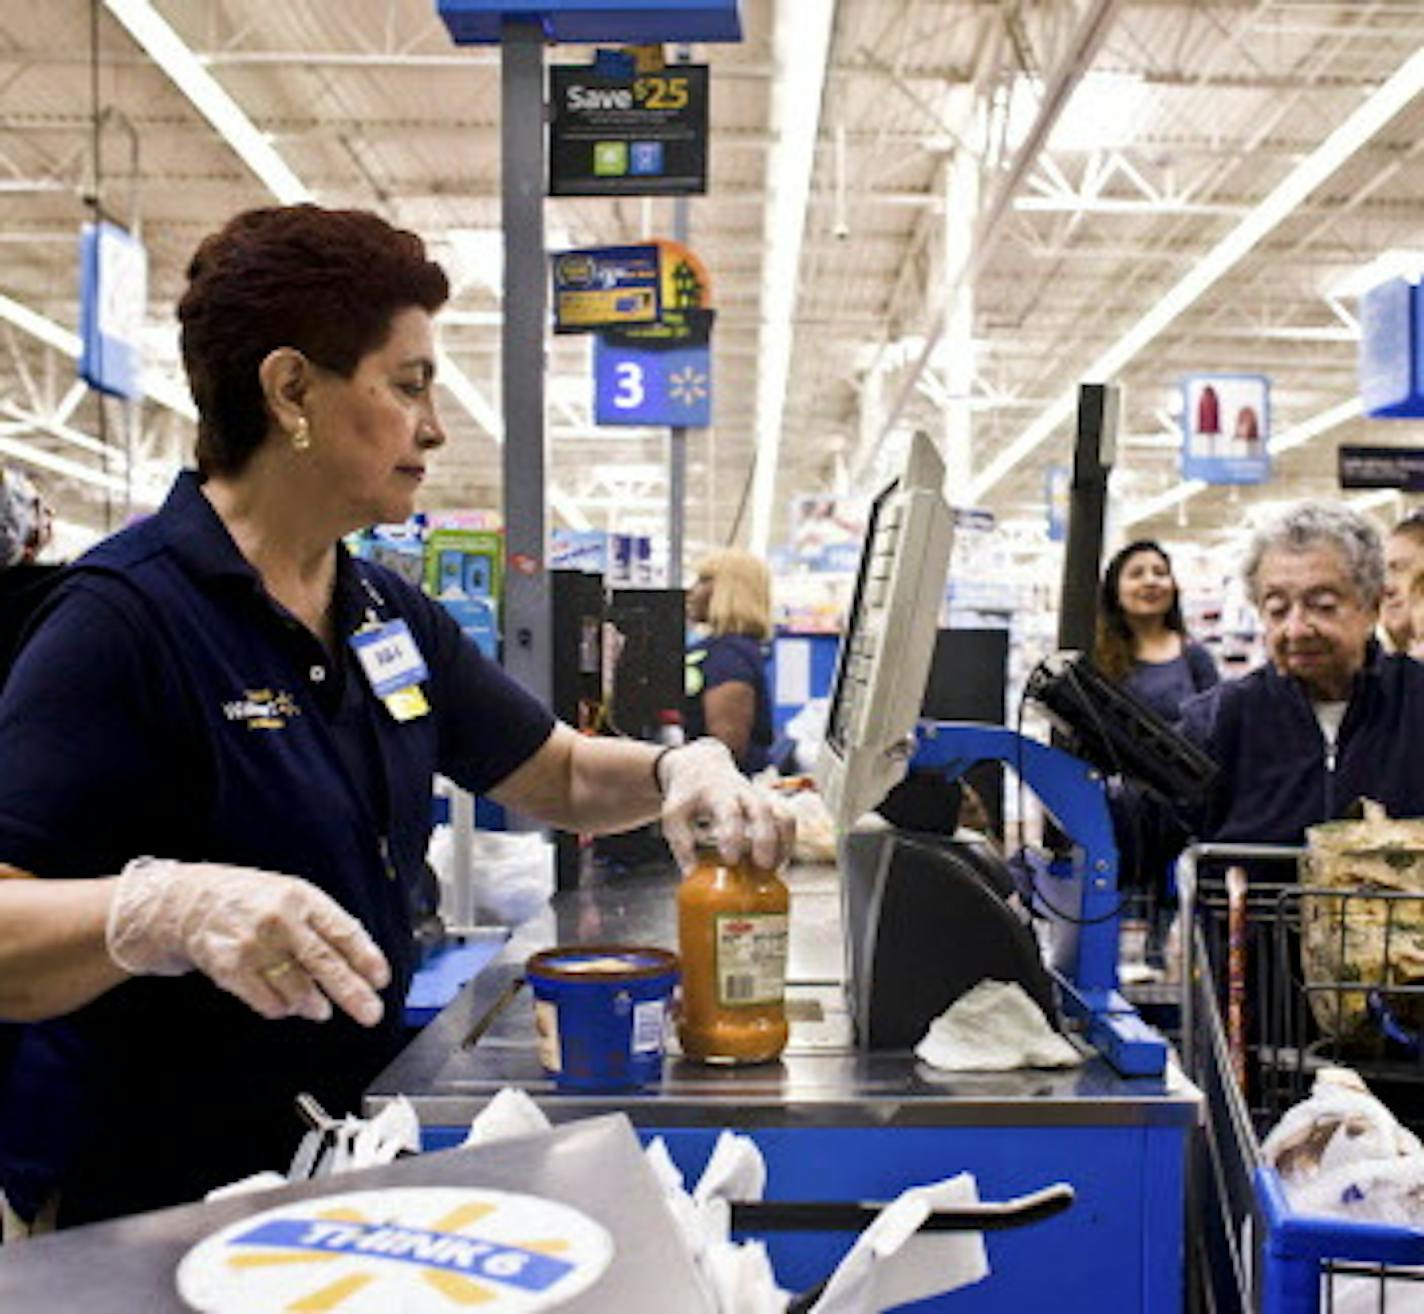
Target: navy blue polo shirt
{"x":729,"y":659}
{"x":166,"y":704}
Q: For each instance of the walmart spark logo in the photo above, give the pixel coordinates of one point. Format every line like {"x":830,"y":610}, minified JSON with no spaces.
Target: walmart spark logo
{"x":687,"y":385}
{"x":420,"y":1249}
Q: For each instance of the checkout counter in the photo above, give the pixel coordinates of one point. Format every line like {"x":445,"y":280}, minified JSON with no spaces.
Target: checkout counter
{"x":840,"y":1123}
{"x":849,"y":1113}
{"x":129,"y":1265}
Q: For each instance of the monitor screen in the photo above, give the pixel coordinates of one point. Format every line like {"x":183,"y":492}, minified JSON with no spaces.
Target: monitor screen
{"x":885,"y":651}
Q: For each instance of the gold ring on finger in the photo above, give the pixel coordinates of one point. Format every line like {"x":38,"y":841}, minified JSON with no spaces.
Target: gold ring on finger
{"x":278,"y":969}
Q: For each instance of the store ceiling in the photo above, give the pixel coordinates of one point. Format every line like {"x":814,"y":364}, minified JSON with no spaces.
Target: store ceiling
{"x":1073,"y":160}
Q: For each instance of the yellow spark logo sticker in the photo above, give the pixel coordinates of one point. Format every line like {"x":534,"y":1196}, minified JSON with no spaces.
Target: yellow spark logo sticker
{"x":415,"y":1249}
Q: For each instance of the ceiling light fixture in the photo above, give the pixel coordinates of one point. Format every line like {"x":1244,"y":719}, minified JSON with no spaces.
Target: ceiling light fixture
{"x":1368,"y":118}
{"x":169,"y":51}
{"x":801,"y":49}
{"x":175,"y":58}
{"x":1105,"y":112}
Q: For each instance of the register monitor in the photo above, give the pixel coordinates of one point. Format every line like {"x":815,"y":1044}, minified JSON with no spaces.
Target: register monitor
{"x":926,"y":917}
{"x":885,"y":653}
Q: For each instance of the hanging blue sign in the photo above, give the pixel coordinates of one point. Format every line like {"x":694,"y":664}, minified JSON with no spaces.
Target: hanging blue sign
{"x":1058,"y":486}
{"x":633,"y":22}
{"x":1390,"y":370}
{"x":113,"y":294}
{"x":636,"y":387}
{"x":1226,"y":428}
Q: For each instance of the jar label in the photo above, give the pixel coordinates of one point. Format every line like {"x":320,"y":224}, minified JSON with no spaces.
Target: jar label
{"x":751,"y":958}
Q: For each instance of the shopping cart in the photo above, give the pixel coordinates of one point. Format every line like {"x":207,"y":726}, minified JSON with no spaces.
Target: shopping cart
{"x":1254,"y":1035}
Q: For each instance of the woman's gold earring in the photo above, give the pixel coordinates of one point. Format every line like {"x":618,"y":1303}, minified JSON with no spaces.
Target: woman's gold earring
{"x":301,"y":436}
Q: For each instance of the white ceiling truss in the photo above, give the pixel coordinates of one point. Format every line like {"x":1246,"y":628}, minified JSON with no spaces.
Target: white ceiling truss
{"x":946,"y":214}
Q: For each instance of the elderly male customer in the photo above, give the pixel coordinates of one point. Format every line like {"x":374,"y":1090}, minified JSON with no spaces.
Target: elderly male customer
{"x":1329,"y":718}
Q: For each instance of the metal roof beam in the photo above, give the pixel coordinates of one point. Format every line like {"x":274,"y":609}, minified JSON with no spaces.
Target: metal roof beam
{"x":232,"y":124}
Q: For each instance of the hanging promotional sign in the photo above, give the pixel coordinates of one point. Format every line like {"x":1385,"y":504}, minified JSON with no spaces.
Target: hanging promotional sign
{"x":113,"y":295}
{"x":1390,"y":375}
{"x":480,"y":22}
{"x":827,"y":532}
{"x":617,"y":132}
{"x":616,"y":287}
{"x":601,"y":286}
{"x":637,"y":386}
{"x":1382,"y":467}
{"x":1226,"y":422}
{"x":975,"y":519}
{"x":1057,"y":487}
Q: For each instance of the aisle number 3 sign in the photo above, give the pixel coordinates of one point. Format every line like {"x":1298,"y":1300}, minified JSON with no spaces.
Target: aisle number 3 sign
{"x":634,"y":386}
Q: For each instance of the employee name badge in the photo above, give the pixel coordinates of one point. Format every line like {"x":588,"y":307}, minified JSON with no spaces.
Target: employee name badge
{"x":394,"y":667}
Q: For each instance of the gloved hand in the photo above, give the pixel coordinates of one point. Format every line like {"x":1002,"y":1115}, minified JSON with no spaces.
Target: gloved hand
{"x":701,"y":779}
{"x":278,"y":943}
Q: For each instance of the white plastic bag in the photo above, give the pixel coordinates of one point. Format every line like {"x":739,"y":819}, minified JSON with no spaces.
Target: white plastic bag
{"x":511,"y":876}
{"x":1340,"y":1152}
{"x":807,"y":731}
{"x":892,"y":1263}
{"x":1330,"y":1147}
{"x":737,"y":1275}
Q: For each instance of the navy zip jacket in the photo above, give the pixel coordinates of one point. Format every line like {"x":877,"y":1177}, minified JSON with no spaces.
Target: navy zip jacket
{"x":1277,"y":775}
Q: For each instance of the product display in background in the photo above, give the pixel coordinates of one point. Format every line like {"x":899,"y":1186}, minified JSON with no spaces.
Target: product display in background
{"x":464,"y":571}
{"x":826,"y":532}
{"x":400,"y":548}
{"x":579,"y":549}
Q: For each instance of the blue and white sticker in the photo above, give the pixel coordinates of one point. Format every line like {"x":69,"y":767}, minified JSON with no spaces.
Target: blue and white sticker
{"x":649,"y":1026}
{"x":420,"y":1250}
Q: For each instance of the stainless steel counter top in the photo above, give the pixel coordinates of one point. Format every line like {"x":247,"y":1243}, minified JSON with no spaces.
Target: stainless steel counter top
{"x":821,"y":1080}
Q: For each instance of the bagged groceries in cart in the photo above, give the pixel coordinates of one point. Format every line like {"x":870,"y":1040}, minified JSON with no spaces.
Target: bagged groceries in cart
{"x":1362,"y":951}
{"x":1341,"y":1153}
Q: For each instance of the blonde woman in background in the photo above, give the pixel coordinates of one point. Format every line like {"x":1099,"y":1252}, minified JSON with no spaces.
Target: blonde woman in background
{"x":726,"y":666}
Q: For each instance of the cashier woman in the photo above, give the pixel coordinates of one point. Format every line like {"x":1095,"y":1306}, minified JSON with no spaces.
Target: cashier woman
{"x":218,"y":745}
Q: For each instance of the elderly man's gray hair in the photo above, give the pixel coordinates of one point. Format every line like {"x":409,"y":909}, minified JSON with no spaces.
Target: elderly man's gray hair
{"x":1323,"y":524}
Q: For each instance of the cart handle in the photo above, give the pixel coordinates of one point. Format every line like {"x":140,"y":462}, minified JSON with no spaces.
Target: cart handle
{"x":855,"y":1216}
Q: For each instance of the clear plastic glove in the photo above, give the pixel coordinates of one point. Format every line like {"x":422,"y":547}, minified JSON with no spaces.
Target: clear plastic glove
{"x":701,"y":779}
{"x":278,"y":943}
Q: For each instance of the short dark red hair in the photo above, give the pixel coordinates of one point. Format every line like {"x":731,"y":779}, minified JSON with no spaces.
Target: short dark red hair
{"x":327,"y":282}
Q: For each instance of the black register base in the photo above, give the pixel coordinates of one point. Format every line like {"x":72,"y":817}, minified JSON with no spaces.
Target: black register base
{"x":837,"y":1124}
{"x":128,"y":1266}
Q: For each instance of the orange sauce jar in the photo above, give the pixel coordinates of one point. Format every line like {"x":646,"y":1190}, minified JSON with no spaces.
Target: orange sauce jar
{"x":732,"y":924}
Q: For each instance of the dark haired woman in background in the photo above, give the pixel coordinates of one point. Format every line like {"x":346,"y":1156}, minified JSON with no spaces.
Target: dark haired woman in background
{"x":1142,"y":641}
{"x":1142,"y":644}
{"x":223,"y":686}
